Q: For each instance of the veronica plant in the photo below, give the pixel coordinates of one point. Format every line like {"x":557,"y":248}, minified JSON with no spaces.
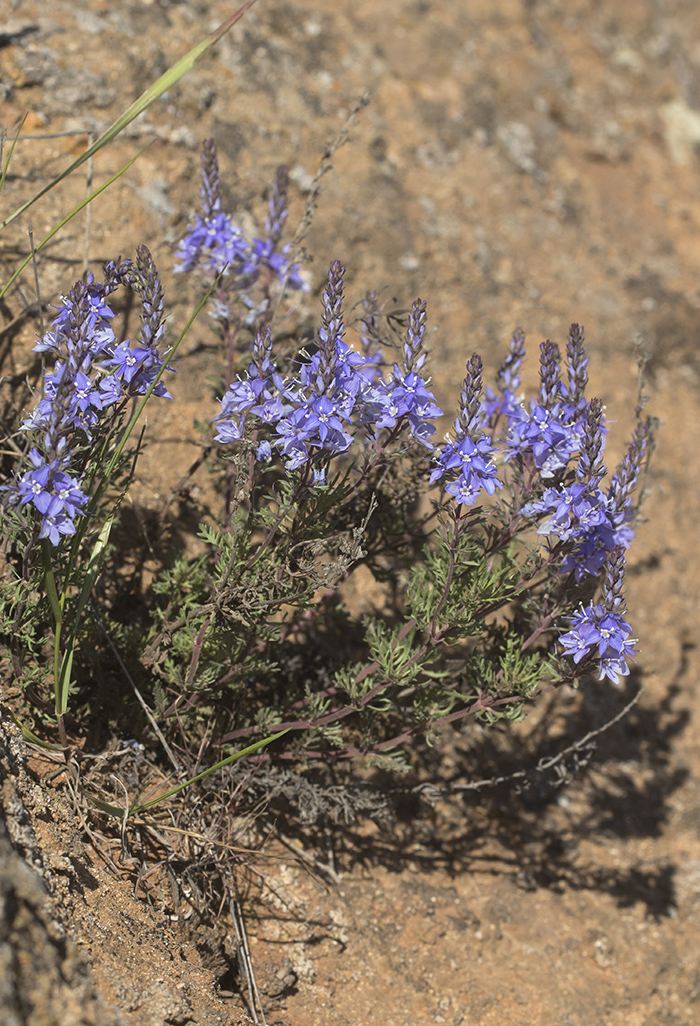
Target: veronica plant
{"x":492,"y":596}
{"x":62,"y":503}
{"x":496,"y":556}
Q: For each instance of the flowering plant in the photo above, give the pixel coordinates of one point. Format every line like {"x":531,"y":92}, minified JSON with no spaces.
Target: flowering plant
{"x":496,"y":556}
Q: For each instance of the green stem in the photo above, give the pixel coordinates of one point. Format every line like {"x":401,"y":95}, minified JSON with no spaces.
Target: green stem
{"x":57,"y":609}
{"x":50,"y":581}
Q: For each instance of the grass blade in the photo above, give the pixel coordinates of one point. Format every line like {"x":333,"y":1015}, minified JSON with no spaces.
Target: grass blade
{"x":166,"y":81}
{"x":12,"y":150}
{"x":80,"y":206}
{"x":256,"y":746}
{"x":115,"y":810}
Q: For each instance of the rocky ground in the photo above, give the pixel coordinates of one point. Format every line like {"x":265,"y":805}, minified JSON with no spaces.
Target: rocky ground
{"x":520,"y":163}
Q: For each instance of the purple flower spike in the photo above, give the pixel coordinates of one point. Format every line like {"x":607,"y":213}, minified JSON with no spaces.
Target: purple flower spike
{"x":509,"y":374}
{"x":331,"y":332}
{"x":277,"y":213}
{"x":77,"y":389}
{"x":591,"y":466}
{"x":601,"y":626}
{"x":550,"y":361}
{"x":469,"y":421}
{"x":213,"y":243}
{"x":210,"y":193}
{"x":577,"y":362}
{"x":626,"y":476}
{"x":413,"y":356}
{"x":144,"y":280}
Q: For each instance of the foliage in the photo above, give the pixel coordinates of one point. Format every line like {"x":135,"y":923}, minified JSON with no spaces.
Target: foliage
{"x":496,"y":558}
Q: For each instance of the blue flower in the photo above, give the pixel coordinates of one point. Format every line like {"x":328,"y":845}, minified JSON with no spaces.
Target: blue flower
{"x":412,"y":399}
{"x":69,"y":494}
{"x":378,"y":407}
{"x":496,"y":406}
{"x":262,"y":254}
{"x":271,"y":410}
{"x":128,"y":361}
{"x":99,"y":309}
{"x":76,"y":390}
{"x":595,"y":543}
{"x":324,"y":421}
{"x":315,"y":423}
{"x":263,"y":453}
{"x":296,"y":453}
{"x":546,"y":434}
{"x":110,"y":390}
{"x":34,"y":486}
{"x":476,"y":469}
{"x":138,"y":367}
{"x":576,"y":510}
{"x":595,"y":627}
{"x":55,"y":523}
{"x":241,"y":395}
{"x":229,"y":431}
{"x":213,"y":243}
{"x":85,"y":402}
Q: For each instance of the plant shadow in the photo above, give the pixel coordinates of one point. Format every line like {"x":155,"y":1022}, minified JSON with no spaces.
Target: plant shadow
{"x":546,"y":827}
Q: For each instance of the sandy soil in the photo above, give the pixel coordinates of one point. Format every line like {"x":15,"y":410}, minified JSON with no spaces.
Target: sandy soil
{"x":525,"y":164}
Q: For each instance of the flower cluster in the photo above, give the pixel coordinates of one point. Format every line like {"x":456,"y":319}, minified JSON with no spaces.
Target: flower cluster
{"x":555,"y":442}
{"x":581,"y":513}
{"x":543,"y":438}
{"x":336,"y":395}
{"x":93,"y":378}
{"x":216,"y":244}
{"x":471,"y":454}
{"x":602,"y":627}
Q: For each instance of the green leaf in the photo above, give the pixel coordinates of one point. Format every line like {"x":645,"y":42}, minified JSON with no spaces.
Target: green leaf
{"x":9,"y":155}
{"x":32,"y":738}
{"x":93,"y":569}
{"x":63,"y":682}
{"x":205,"y":773}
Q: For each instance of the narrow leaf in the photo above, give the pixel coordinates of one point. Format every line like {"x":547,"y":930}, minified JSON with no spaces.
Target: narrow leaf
{"x":81,"y":205}
{"x":166,"y":81}
{"x":12,"y":150}
{"x":205,"y":773}
{"x":93,"y":568}
{"x":63,"y":683}
{"x":32,"y":739}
